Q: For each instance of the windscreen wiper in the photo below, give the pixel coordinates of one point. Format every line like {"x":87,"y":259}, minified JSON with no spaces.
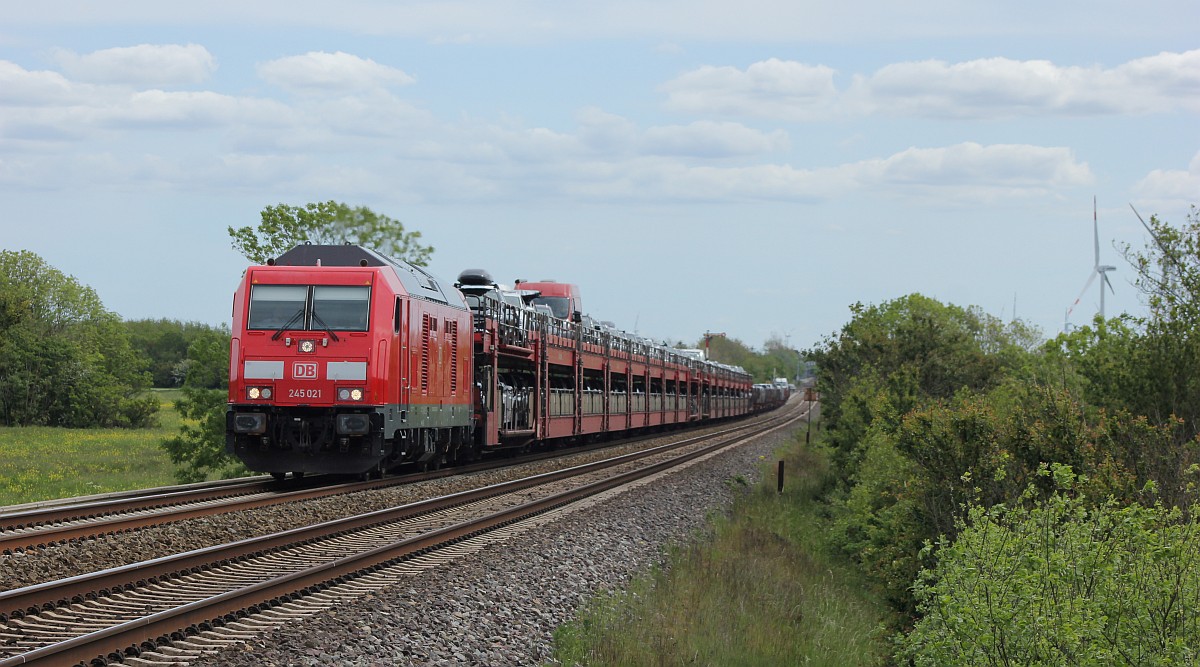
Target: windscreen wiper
{"x":288,"y":323}
{"x":318,"y":320}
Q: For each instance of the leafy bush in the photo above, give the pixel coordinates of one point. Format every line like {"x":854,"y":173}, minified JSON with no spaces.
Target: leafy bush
{"x":917,"y":478}
{"x":199,"y":448}
{"x":1064,"y":582}
{"x":878,"y":523}
{"x":909,"y":351}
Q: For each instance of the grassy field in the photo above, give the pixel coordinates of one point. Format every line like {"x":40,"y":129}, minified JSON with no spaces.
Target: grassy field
{"x":40,"y":463}
{"x":762,"y":591}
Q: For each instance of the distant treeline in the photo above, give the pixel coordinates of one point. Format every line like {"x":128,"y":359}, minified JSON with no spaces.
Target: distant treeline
{"x":67,"y":361}
{"x":165,"y":343}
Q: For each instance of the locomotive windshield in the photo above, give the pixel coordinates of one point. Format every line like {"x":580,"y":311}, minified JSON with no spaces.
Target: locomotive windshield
{"x":277,"y":306}
{"x":309,"y":308}
{"x":340,"y":308}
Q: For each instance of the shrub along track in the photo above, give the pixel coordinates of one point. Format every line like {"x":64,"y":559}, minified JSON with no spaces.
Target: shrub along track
{"x":193,"y":594}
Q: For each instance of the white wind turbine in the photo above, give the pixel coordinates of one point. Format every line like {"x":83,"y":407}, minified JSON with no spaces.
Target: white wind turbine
{"x":1098,"y":269}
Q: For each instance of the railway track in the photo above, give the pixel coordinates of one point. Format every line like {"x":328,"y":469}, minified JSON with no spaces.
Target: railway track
{"x":40,"y":526}
{"x":201,"y":599}
{"x":43,"y":524}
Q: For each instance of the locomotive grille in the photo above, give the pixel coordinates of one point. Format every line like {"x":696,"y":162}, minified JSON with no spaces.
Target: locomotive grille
{"x":452,"y":335}
{"x":425,"y":333}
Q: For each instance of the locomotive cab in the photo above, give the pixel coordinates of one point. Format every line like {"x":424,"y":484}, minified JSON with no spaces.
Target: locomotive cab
{"x":338,"y":354}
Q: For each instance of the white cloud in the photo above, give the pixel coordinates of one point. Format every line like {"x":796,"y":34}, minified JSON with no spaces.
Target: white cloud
{"x":1001,"y":87}
{"x":353,"y":126}
{"x":1002,"y":166}
{"x":1171,"y":189}
{"x":964,"y":172}
{"x":982,"y":88}
{"x":662,"y":179}
{"x":141,"y":65}
{"x":321,"y":72}
{"x":186,"y":109}
{"x":515,"y":147}
{"x":605,"y":133}
{"x":21,"y":87}
{"x":708,"y":139}
{"x":769,"y":89}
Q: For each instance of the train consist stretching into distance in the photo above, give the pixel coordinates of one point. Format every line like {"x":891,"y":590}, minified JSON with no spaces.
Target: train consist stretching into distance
{"x":343,"y":360}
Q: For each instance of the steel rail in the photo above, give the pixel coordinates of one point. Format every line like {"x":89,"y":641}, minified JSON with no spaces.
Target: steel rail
{"x":125,"y":638}
{"x":84,"y":501}
{"x":39,"y":528}
{"x":37,"y":597}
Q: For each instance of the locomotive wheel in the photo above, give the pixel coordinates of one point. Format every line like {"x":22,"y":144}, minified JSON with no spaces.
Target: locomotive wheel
{"x":375,"y":472}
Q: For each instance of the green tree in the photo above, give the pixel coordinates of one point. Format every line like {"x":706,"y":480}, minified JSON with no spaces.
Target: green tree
{"x":1149,"y":366}
{"x":283,"y":227}
{"x":199,"y":448}
{"x":776,"y":360}
{"x":1168,"y":269}
{"x":165,"y":344}
{"x":912,"y":349}
{"x":64,"y":359}
{"x":1156,"y":363}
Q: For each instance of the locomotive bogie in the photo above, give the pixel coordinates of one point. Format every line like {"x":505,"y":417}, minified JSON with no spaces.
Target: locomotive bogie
{"x":287,"y":439}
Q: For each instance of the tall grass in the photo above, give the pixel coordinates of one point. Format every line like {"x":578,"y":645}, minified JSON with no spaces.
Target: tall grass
{"x":763,"y":589}
{"x":41,"y":463}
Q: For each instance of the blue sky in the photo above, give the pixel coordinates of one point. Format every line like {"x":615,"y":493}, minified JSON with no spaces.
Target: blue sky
{"x":751,"y":168}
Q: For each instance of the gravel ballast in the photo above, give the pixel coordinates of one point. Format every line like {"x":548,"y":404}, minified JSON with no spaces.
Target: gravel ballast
{"x":59,"y":561}
{"x":500,"y":606}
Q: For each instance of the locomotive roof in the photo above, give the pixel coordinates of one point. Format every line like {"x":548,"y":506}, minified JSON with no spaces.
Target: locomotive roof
{"x":417,"y":282}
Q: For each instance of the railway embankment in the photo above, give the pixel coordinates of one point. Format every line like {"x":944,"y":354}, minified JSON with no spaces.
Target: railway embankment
{"x":503,"y":604}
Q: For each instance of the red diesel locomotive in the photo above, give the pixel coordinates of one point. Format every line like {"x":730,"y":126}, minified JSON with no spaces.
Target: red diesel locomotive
{"x":346,"y":361}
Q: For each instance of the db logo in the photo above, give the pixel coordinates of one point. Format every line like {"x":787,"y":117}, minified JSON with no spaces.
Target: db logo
{"x":304,"y":371}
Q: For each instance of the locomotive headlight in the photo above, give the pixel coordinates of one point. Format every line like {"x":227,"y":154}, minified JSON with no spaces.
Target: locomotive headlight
{"x":253,"y":393}
{"x":307,"y":346}
{"x":356,"y":394}
{"x":348,"y":394}
{"x":266,"y":392}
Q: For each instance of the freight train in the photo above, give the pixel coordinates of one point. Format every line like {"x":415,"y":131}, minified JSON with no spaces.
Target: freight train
{"x":343,"y":360}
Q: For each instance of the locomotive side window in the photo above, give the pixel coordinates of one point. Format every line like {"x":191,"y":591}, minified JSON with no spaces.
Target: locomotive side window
{"x":340,"y":307}
{"x":277,"y":306}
